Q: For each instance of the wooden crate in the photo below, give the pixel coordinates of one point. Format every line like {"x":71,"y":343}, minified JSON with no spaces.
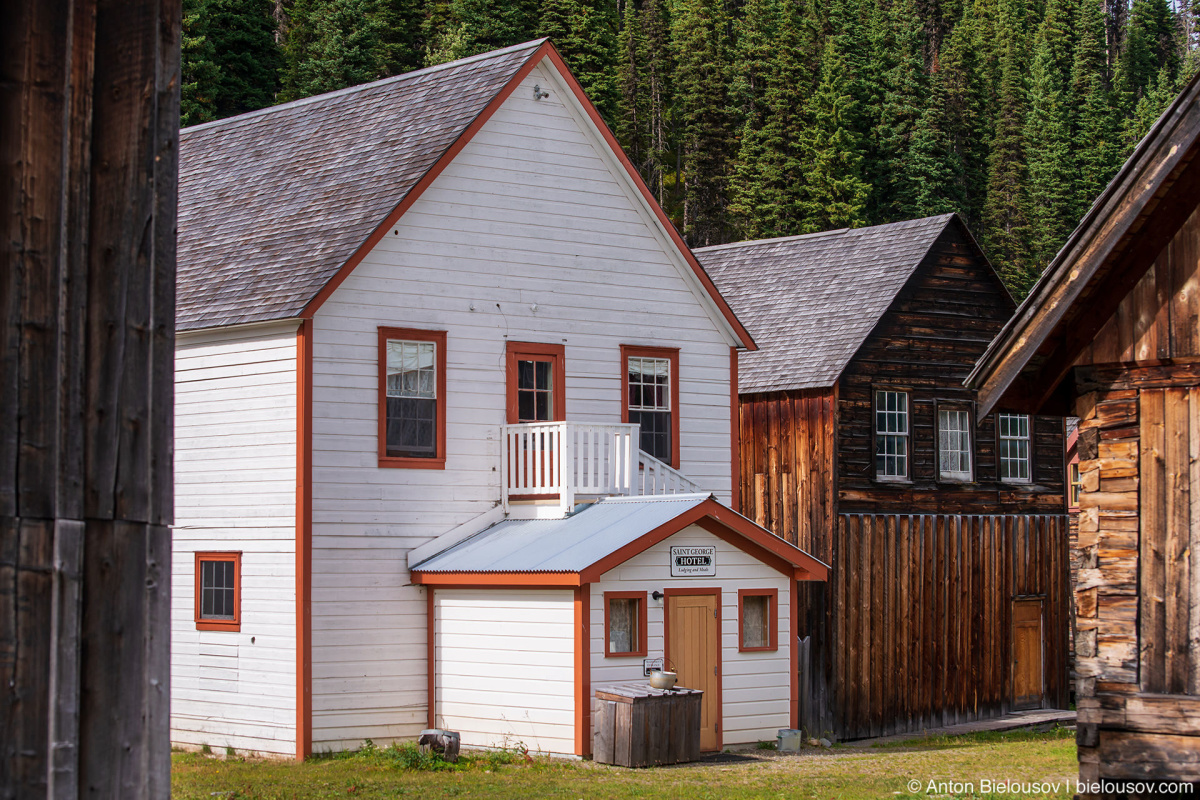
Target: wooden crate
{"x":640,"y":726}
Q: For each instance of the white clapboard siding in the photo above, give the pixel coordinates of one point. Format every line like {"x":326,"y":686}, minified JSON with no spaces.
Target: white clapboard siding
{"x":755,"y":686}
{"x":235,"y":490}
{"x":530,"y":213}
{"x":505,"y":667}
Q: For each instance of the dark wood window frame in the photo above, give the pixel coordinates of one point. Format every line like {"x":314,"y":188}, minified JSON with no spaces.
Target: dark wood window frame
{"x":772,"y":596}
{"x":1017,"y":482}
{"x":414,"y":335}
{"x":908,"y":444}
{"x":234,"y":624}
{"x":954,"y":405}
{"x":671,"y":354}
{"x":640,"y":649}
{"x":536,"y":351}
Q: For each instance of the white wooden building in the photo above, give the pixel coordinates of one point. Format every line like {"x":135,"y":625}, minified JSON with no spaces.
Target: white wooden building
{"x":408,"y":312}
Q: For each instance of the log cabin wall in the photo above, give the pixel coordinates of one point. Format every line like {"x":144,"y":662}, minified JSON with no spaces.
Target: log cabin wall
{"x":1138,"y":590}
{"x":927,"y":343}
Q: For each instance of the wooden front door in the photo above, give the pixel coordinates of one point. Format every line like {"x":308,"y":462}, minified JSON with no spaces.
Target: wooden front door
{"x":1027,"y":654}
{"x":693,"y":647}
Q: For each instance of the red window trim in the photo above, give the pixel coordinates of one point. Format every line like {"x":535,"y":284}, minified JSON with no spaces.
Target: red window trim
{"x":234,"y":624}
{"x":414,"y":335}
{"x":640,"y":650}
{"x":537,"y":351}
{"x":672,"y":355}
{"x":772,"y":619}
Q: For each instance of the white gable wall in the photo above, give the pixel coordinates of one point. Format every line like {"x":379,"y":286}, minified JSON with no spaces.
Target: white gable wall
{"x":235,"y":490}
{"x":756,"y":687}
{"x":530,"y":213}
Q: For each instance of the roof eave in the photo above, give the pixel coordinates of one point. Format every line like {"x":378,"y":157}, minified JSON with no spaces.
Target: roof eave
{"x":1150,"y":170}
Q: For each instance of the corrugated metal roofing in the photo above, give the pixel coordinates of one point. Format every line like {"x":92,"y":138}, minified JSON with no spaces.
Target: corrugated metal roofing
{"x":810,"y":301}
{"x":562,"y":545}
{"x":273,"y":203}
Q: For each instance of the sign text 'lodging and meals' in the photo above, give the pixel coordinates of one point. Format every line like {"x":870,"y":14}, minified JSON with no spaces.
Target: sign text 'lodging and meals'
{"x":688,"y":562}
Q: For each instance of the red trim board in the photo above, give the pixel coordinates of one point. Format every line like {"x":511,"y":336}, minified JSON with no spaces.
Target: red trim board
{"x":304,"y":384}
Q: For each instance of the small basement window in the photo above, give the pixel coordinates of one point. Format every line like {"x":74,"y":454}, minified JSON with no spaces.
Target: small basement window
{"x":1013,"y":433}
{"x":625,"y":624}
{"x":758,"y":622}
{"x":954,"y":444}
{"x":218,"y":591}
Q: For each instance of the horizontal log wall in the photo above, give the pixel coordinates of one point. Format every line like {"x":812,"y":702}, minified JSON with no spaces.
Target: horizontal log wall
{"x":1138,"y":589}
{"x":915,"y":628}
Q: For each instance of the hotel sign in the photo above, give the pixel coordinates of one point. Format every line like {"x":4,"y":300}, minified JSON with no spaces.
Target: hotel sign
{"x":693,"y":562}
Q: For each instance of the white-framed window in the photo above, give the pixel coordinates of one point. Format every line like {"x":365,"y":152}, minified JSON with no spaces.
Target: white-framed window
{"x":649,"y":383}
{"x":1013,"y":447}
{"x":412,"y":398}
{"x":891,"y":434}
{"x":954,"y":444}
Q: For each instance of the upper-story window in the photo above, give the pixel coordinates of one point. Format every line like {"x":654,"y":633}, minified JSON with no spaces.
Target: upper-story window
{"x":412,"y":414}
{"x":954,"y":444}
{"x":651,"y":386}
{"x":891,"y":434}
{"x":218,"y":591}
{"x":536,"y":382}
{"x":1013,"y":446}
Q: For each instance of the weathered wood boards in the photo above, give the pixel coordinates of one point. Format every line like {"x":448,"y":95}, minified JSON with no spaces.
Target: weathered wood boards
{"x":89,"y":108}
{"x":921,"y":620}
{"x":637,"y":726}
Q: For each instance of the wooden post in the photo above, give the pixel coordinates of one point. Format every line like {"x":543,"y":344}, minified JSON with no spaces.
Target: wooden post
{"x":89,"y":118}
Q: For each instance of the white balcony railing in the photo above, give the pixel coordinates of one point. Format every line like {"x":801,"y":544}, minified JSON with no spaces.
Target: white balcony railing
{"x":561,"y":462}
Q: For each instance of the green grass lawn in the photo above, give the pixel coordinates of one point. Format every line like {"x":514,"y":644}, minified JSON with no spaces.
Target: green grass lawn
{"x":839,"y":772}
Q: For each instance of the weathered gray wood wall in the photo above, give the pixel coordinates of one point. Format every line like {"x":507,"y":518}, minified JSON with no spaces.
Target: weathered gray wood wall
{"x":89,"y":115}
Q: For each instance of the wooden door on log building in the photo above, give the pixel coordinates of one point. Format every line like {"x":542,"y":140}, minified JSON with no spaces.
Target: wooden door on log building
{"x":1027,"y":654}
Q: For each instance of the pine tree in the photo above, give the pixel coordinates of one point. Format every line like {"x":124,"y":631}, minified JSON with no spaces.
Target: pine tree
{"x":477,"y":26}
{"x":199,"y":73}
{"x":242,"y":34}
{"x":898,"y":69}
{"x":334,"y":44}
{"x":403,"y":35}
{"x":931,"y":168}
{"x":1150,"y":47}
{"x":1052,"y":172}
{"x":586,"y":36}
{"x":1096,"y":134}
{"x":836,"y":194}
{"x":702,"y":49}
{"x":1005,"y":225}
{"x":633,"y":102}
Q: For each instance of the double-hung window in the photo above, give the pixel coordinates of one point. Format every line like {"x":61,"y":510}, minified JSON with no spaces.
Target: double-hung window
{"x":651,"y":387}
{"x":218,"y":591}
{"x":954,"y":444}
{"x":412,"y":398}
{"x":1013,"y":444}
{"x":891,"y":435}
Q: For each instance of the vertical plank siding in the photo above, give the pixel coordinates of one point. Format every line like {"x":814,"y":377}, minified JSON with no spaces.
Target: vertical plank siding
{"x":89,"y":114}
{"x":917,"y":633}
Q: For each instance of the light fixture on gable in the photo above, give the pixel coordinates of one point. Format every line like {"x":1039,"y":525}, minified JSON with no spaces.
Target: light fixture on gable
{"x":538,"y":94}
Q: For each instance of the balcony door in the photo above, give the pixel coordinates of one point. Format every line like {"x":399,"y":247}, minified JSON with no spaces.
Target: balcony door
{"x":536,"y":382}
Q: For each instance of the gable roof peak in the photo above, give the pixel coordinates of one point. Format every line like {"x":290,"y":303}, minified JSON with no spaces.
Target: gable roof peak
{"x":810,"y":301}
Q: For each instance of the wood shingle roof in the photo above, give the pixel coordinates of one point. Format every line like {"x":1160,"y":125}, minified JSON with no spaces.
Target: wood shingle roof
{"x":273,"y":203}
{"x":810,"y":301}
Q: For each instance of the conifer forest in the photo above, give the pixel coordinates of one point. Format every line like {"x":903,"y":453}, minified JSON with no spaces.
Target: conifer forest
{"x":759,"y":118}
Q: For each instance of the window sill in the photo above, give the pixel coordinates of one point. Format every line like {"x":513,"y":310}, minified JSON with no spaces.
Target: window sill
{"x":218,"y":625}
{"x":767,"y":649}
{"x":412,"y":463}
{"x":889,"y":480}
{"x":1016,"y":483}
{"x":634,"y":654}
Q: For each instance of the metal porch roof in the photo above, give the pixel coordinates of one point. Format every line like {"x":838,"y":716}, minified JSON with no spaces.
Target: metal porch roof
{"x":562,"y":545}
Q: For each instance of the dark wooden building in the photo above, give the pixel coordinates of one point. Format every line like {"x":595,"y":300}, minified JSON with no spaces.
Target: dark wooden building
{"x":1112,"y":334}
{"x":945,"y":528}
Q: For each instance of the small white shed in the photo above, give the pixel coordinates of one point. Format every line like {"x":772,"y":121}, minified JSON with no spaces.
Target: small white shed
{"x":528,"y":616}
